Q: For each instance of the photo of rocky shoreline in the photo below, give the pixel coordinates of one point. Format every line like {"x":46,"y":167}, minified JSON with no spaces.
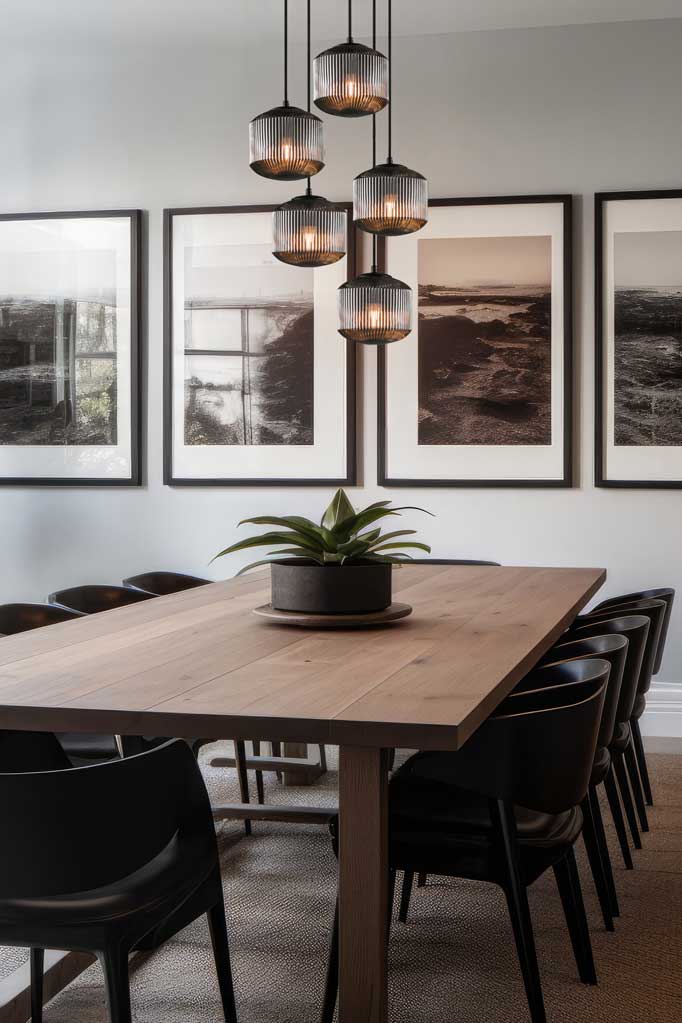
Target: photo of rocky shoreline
{"x":485,"y":341}
{"x":648,"y":339}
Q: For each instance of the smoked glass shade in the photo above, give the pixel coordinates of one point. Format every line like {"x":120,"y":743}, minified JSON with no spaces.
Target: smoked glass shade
{"x":375,"y":309}
{"x":309,"y":231}
{"x":351,"y":80}
{"x":390,"y":199}
{"x":286,"y":143}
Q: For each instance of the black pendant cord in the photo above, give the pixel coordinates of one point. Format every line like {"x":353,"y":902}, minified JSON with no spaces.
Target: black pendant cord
{"x":308,"y":190}
{"x":286,"y":53}
{"x":374,"y":131}
{"x":390,"y":80}
{"x":350,"y":21}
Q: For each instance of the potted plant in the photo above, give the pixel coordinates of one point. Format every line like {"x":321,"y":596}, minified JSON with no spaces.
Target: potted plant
{"x":341,"y":566}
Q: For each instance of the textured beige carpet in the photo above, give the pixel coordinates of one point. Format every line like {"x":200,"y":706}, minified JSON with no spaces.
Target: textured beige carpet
{"x":455,"y":959}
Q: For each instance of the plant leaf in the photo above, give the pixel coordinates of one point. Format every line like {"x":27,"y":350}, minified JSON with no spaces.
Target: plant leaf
{"x":269,"y":539}
{"x":339,"y":509}
{"x":390,"y":536}
{"x":266,"y":561}
{"x":294,"y":522}
{"x":387,"y":558}
{"x":400,"y":546}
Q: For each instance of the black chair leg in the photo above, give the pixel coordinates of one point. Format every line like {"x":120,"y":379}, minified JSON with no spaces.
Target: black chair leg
{"x":276,"y":748}
{"x":323,"y":757}
{"x":618,"y":819}
{"x":115,"y":966}
{"x":568,"y":884}
{"x":421,"y":879}
{"x":636,"y":785}
{"x":405,"y":893}
{"x":259,"y":774}
{"x":626,"y":796}
{"x":641,"y":760}
{"x":517,"y":900}
{"x":604,"y":849}
{"x":242,"y":775}
{"x":37,"y":969}
{"x":221,"y":954}
{"x":331,"y":986}
{"x":596,"y":863}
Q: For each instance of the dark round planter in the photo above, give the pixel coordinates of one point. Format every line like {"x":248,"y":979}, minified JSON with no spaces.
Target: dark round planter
{"x":299,"y":585}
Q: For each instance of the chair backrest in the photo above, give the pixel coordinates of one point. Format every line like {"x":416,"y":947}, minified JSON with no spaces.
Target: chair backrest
{"x":23,"y":617}
{"x":540,"y":754}
{"x":654,"y":610}
{"x":78,"y":829}
{"x":450,"y":561}
{"x":98,"y":597}
{"x":161,"y":583}
{"x":612,"y":648}
{"x":30,"y":751}
{"x":635,"y":628}
{"x":664,"y":593}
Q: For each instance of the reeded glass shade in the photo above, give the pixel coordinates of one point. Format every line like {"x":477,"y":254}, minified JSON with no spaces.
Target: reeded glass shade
{"x":286,"y":143}
{"x":375,"y":309}
{"x":390,"y":199}
{"x":309,"y":231}
{"x":351,"y":80}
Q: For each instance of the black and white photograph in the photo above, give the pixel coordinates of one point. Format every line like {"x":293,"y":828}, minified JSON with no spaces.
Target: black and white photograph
{"x":480,"y":392}
{"x":68,"y":348}
{"x":255,"y":365}
{"x":639,"y":339}
{"x":648,"y":338}
{"x":485,"y":340}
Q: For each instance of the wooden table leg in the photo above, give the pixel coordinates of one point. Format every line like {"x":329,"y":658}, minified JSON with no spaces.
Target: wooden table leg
{"x":363,"y":884}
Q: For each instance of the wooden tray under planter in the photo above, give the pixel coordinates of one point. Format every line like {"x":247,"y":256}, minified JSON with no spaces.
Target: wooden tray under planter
{"x":392,"y":613}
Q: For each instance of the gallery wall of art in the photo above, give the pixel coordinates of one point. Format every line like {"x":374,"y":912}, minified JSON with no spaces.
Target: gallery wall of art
{"x":139,"y":124}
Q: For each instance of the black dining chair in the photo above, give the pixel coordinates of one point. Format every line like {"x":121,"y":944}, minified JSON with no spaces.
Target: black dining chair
{"x":121,"y":856}
{"x":667,"y":595}
{"x":450,"y":561}
{"x":504,"y":809}
{"x":98,"y":597}
{"x":636,"y":629}
{"x":612,"y":648}
{"x":654,"y":610}
{"x":162,"y":583}
{"x":82,"y":747}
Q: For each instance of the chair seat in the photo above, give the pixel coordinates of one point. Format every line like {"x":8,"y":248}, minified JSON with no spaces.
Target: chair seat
{"x":88,"y":745}
{"x":621,"y":736}
{"x":437,"y":827}
{"x":640,"y":705}
{"x":601,"y":766}
{"x":171,"y":877}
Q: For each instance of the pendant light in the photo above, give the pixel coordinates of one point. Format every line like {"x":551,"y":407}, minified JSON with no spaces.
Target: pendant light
{"x":390,"y":199}
{"x":286,"y":142}
{"x":308,"y":230}
{"x":351,"y":80}
{"x":375,"y":308}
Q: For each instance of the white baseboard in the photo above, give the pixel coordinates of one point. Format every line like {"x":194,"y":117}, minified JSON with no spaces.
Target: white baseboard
{"x":663,"y":715}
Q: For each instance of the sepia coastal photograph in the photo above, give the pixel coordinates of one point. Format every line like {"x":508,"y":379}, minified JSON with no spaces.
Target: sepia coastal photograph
{"x":249,"y":348}
{"x":485,"y":341}
{"x":648,"y":338}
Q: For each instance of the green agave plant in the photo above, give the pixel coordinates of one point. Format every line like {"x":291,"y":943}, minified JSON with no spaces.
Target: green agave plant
{"x":342,"y":536}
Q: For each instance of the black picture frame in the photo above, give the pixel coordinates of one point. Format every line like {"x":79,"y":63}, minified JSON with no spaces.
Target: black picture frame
{"x":169,"y":479}
{"x":566,"y":481}
{"x":600,"y":477}
{"x":136,"y":219}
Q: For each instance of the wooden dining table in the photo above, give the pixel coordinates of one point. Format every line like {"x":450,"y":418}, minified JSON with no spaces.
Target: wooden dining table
{"x":200,"y":663}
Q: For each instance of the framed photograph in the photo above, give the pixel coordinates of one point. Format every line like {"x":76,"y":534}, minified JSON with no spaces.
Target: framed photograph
{"x":480,"y":393}
{"x":259,"y":384}
{"x":638,"y":332}
{"x":69,"y":348}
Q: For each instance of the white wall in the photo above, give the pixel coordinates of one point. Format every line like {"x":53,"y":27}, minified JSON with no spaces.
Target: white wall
{"x":549,"y":110}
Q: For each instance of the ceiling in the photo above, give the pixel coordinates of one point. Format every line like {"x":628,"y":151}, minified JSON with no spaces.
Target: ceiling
{"x":39,"y":21}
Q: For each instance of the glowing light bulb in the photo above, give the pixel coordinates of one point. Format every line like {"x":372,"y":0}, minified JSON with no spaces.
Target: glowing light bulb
{"x":286,"y":150}
{"x":351,"y":87}
{"x":374,"y":315}
{"x":390,"y":205}
{"x":309,"y":239}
